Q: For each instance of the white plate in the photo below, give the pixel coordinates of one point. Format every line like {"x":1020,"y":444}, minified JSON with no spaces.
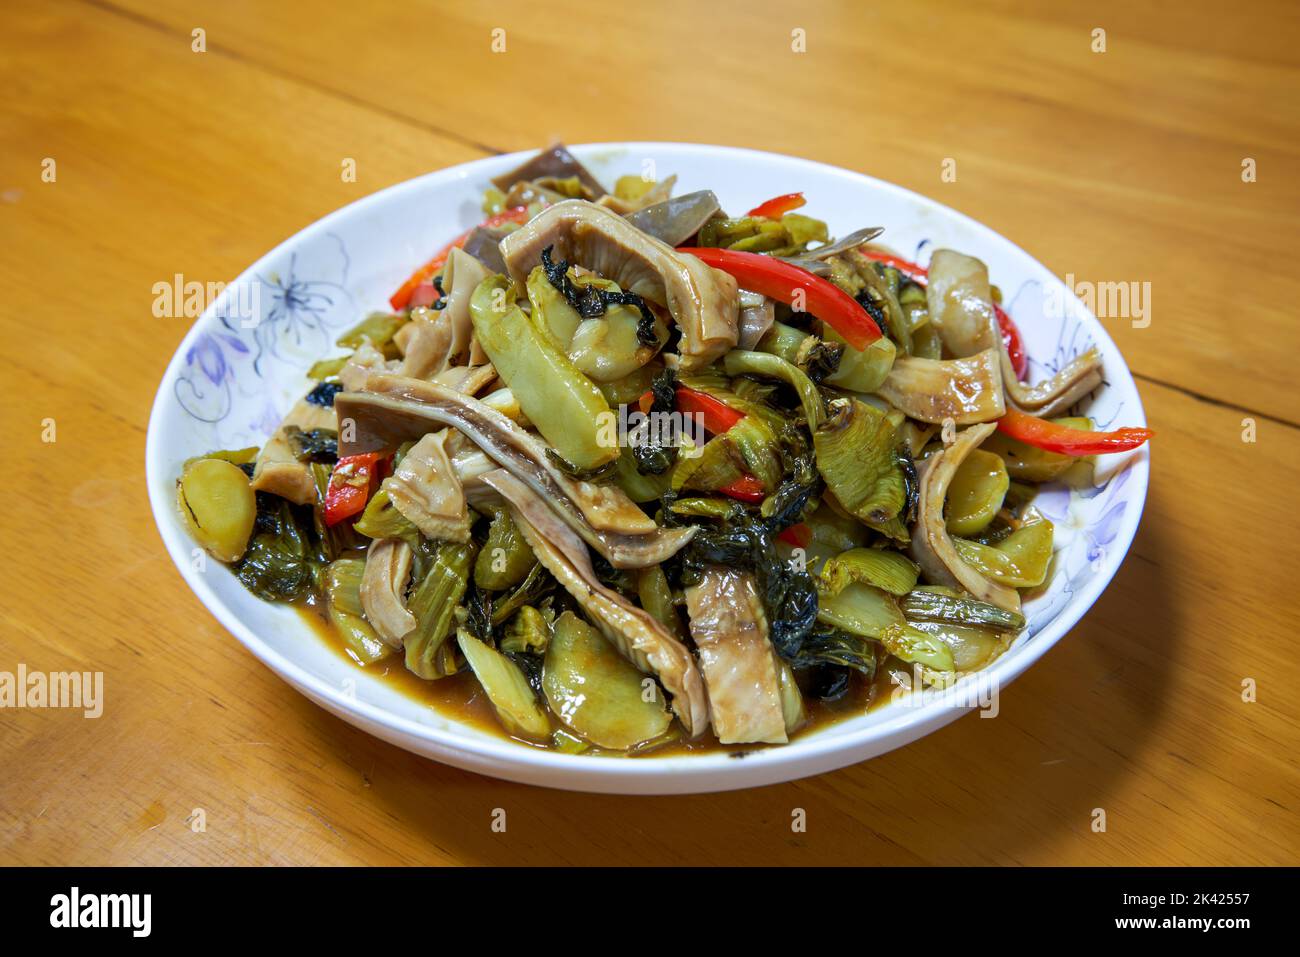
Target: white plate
{"x":227,"y":387}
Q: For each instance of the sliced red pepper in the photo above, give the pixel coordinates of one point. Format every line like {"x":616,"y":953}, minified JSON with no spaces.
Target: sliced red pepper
{"x":747,"y":488}
{"x":798,"y":535}
{"x":1010,"y":334}
{"x":782,"y":281}
{"x":718,"y":416}
{"x":402,"y":298}
{"x":353,"y":480}
{"x":778,"y":206}
{"x":1011,"y":339}
{"x":1051,"y":437}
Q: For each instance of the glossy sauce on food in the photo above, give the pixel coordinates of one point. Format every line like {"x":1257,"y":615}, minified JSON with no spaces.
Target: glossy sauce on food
{"x":460,"y":698}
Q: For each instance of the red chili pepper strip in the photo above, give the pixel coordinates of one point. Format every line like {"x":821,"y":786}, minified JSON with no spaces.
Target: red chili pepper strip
{"x":778,"y":206}
{"x":718,"y":416}
{"x":400,"y":299}
{"x":1010,"y":334}
{"x":1011,"y":339}
{"x":783,"y":281}
{"x":1051,"y":437}
{"x":747,"y":488}
{"x":353,"y":479}
{"x":800,"y":535}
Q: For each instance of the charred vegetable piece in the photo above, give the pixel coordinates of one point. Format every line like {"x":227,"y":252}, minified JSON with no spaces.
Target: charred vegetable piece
{"x":507,"y":688}
{"x":218,"y":506}
{"x":597,"y":693}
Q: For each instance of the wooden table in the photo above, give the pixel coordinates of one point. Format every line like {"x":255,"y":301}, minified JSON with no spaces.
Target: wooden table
{"x":1123,"y":165}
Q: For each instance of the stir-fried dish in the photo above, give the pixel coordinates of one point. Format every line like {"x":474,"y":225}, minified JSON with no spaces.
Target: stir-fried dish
{"x":650,"y":472}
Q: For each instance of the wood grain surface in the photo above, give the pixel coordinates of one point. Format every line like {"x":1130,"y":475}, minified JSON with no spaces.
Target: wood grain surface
{"x":1116,"y":166}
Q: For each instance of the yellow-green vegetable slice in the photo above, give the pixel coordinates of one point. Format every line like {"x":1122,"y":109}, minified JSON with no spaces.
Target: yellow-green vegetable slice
{"x":505,"y":558}
{"x":218,"y":506}
{"x":596,"y":692}
{"x":565,"y":406}
{"x":1020,"y":560}
{"x":872,"y":613}
{"x":976,"y":493}
{"x":888,"y":570}
{"x":507,"y":689}
{"x":343,"y":603}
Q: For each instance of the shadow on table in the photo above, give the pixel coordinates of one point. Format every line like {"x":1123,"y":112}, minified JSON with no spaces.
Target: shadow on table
{"x":980,"y":791}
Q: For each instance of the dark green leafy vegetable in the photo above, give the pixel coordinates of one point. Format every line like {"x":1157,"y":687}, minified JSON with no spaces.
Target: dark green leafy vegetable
{"x":591,"y":301}
{"x":280,"y":563}
{"x":317,"y":445}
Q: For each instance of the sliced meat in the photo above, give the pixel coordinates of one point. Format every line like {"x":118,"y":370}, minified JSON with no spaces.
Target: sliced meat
{"x":1053,"y":396}
{"x":931,"y":390}
{"x":383,"y":590}
{"x":702,"y":300}
{"x":427,"y":491}
{"x":554,"y":161}
{"x":676,"y":220}
{"x":931,"y":546}
{"x":364,"y":360}
{"x":394,"y":409}
{"x":428,"y":344}
{"x":637,"y":636}
{"x":278,"y":470}
{"x":460,"y":277}
{"x":468,"y":379}
{"x":736,"y":657}
{"x":757,"y":314}
{"x":960,"y":302}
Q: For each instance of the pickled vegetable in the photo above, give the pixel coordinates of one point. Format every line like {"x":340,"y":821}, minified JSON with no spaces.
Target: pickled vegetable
{"x":564,"y":405}
{"x":976,"y":493}
{"x":218,"y":506}
{"x":507,"y":689}
{"x":596,"y":692}
{"x":1020,"y":560}
{"x":433,"y":603}
{"x":505,"y":559}
{"x":343,"y":604}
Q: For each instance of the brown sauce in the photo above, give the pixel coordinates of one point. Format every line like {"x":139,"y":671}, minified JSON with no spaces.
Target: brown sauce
{"x":460,"y":698}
